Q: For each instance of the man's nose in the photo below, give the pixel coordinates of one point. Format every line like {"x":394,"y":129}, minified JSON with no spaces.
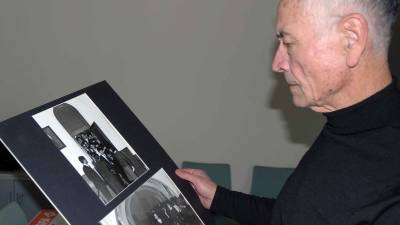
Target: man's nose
{"x":280,"y":62}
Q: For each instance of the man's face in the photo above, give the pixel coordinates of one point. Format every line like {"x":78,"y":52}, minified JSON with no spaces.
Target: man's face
{"x":310,"y":56}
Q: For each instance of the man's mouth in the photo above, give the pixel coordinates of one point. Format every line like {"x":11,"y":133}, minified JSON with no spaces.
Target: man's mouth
{"x":289,"y":81}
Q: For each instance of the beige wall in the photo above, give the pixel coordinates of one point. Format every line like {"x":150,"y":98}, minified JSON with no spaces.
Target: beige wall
{"x":197,"y":73}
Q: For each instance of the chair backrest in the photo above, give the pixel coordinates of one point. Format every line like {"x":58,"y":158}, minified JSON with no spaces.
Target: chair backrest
{"x":268,"y":181}
{"x":220,"y":173}
{"x":12,"y":214}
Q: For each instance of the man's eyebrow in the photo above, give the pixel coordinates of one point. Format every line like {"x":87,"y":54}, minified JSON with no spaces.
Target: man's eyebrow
{"x":282,"y":34}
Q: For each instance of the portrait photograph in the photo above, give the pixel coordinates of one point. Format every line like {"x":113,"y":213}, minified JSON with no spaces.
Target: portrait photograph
{"x":92,"y":145}
{"x":157,"y":201}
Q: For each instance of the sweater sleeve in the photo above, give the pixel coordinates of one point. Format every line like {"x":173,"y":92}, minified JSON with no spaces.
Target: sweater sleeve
{"x":244,"y":208}
{"x":390,"y":215}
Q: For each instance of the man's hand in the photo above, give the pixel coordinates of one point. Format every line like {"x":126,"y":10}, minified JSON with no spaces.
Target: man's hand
{"x":201,"y":183}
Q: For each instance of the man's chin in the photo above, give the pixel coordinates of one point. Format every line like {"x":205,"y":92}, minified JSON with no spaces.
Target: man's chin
{"x":300,"y":102}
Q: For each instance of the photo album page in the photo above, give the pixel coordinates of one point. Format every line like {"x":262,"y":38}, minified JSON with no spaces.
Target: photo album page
{"x":97,"y":164}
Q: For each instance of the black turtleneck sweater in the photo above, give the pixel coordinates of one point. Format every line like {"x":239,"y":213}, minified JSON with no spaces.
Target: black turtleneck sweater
{"x":350,"y":175}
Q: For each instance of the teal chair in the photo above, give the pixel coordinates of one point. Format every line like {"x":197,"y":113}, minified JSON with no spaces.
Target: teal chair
{"x":12,"y":214}
{"x":219,"y":173}
{"x":268,"y":181}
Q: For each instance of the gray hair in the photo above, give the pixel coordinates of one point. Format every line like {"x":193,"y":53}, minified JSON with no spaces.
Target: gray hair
{"x":381,"y":15}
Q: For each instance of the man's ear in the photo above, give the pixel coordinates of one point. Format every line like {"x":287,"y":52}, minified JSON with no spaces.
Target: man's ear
{"x":355,"y":32}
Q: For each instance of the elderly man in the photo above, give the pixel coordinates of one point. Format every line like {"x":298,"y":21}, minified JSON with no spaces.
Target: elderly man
{"x":333,"y":54}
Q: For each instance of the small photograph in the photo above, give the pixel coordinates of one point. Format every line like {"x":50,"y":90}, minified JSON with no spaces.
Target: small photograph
{"x":157,"y":201}
{"x":93,"y":146}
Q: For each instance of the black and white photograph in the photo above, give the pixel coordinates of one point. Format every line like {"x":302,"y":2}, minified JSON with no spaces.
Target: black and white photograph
{"x":157,"y":201}
{"x":97,"y":151}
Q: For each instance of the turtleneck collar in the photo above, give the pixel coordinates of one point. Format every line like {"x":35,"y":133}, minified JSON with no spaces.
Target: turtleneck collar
{"x":379,"y":110}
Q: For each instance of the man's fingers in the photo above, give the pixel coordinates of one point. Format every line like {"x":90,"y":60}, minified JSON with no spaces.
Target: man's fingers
{"x":196,"y":172}
{"x":186,"y":175}
{"x":201,"y":183}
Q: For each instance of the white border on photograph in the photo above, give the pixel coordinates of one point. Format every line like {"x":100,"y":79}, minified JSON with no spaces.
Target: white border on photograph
{"x":90,"y":113}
